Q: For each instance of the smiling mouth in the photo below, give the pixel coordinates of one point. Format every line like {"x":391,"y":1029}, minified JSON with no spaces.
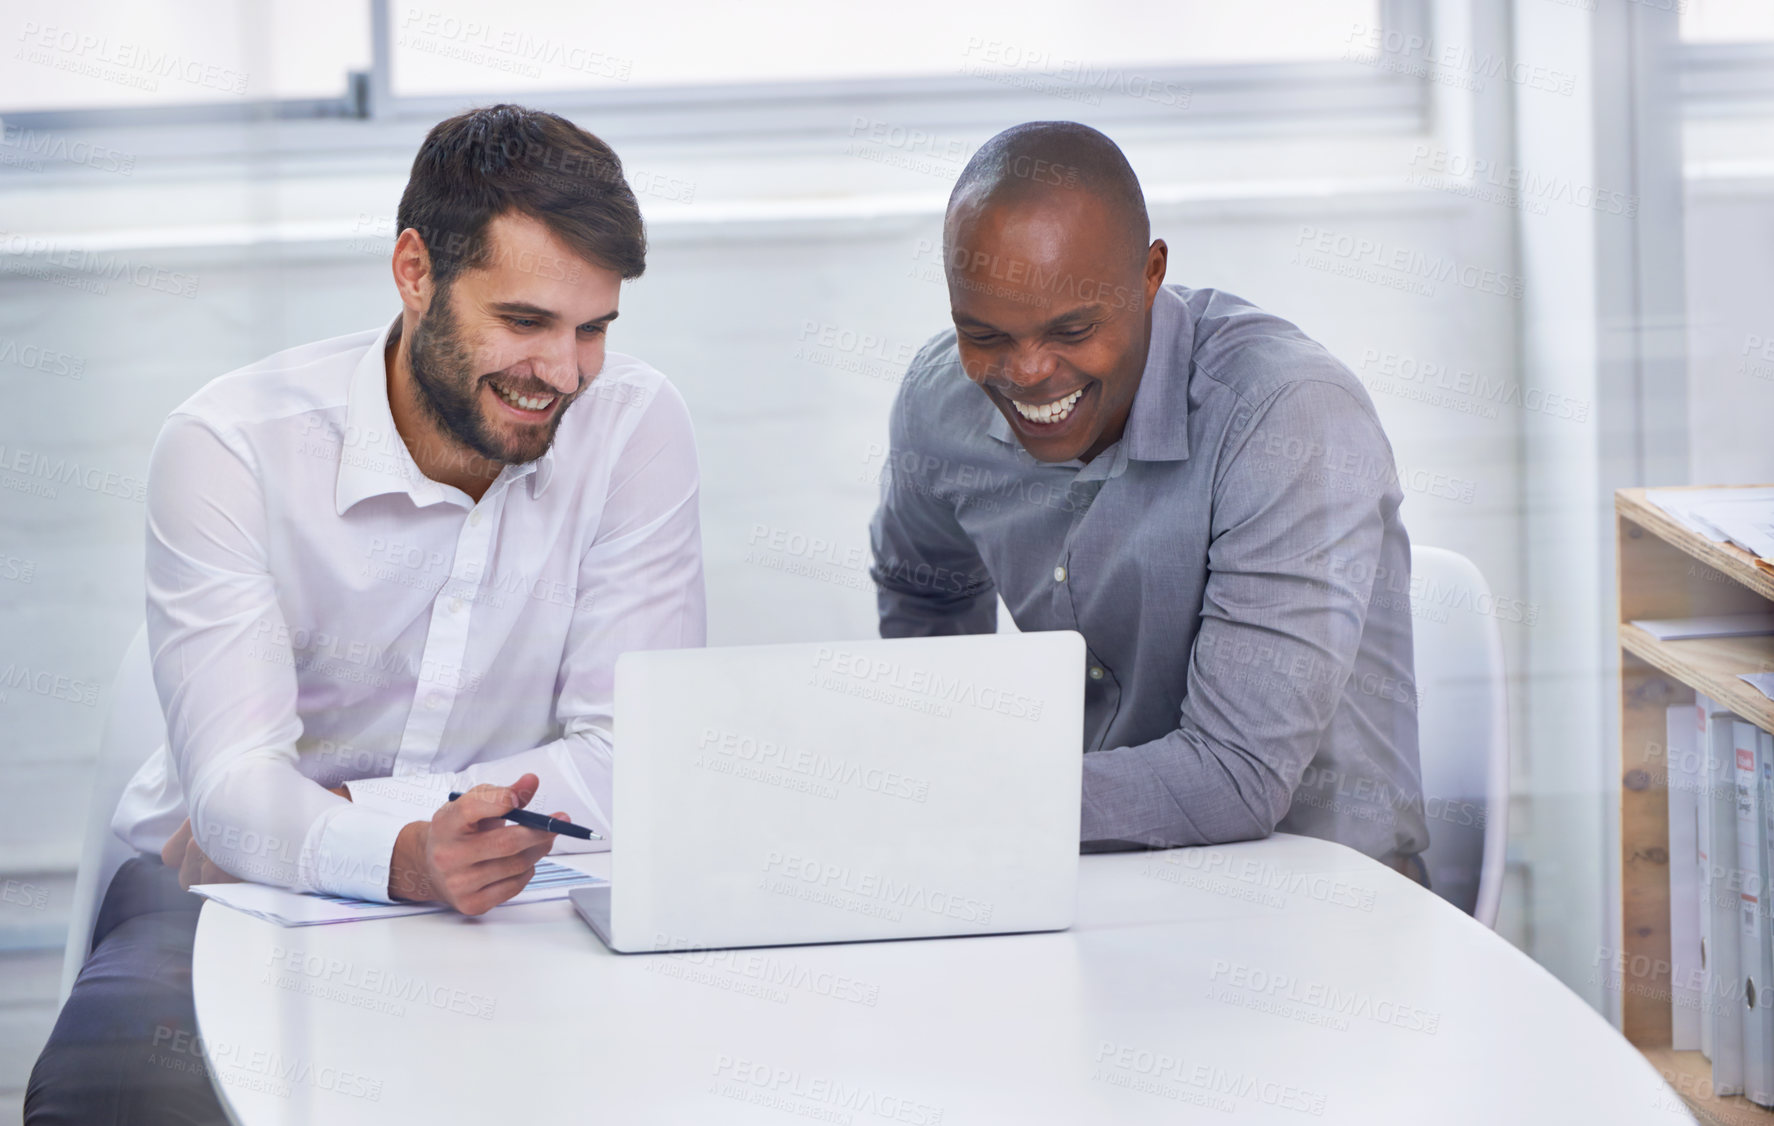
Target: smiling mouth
{"x":1048,"y":414}
{"x":531,"y":403}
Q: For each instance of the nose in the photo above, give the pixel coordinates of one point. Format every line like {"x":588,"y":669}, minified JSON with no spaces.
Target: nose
{"x":555,"y":362}
{"x":1025,"y":366}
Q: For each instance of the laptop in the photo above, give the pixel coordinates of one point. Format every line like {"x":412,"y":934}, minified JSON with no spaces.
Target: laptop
{"x":849,"y":791}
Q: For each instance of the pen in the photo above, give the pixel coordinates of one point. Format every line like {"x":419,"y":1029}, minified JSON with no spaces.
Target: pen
{"x":547,"y":824}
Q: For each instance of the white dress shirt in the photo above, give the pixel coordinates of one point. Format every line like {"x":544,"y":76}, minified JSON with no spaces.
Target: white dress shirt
{"x":321,"y":612}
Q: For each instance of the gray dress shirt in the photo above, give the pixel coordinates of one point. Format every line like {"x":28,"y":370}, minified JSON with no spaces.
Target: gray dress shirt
{"x":1235,"y":563}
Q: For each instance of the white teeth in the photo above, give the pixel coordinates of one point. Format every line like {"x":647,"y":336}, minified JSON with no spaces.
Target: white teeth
{"x":527,"y":402}
{"x":1056,"y":411}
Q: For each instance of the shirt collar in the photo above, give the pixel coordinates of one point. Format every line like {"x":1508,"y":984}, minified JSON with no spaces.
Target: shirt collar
{"x":1158,"y":423}
{"x":373,"y":460}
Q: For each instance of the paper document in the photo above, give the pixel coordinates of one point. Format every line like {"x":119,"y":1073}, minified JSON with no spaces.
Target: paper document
{"x":1748,"y":524}
{"x":1703,"y":510}
{"x":1717,"y":625}
{"x":306,"y":909}
{"x":1762,"y":682}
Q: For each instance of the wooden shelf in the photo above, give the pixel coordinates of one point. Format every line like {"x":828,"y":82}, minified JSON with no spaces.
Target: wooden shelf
{"x":1711,"y":665}
{"x":1668,"y":571}
{"x":1691,"y":1076}
{"x":1727,"y":559}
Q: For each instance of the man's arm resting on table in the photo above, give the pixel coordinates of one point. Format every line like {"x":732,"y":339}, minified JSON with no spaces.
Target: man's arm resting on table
{"x":466,"y":856}
{"x":1179,"y":791}
{"x":195,"y":867}
{"x":1280,"y":629}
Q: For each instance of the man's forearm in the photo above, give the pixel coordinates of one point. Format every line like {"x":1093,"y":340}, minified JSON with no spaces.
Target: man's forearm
{"x":1176,"y":790}
{"x":574,"y":769}
{"x":906,"y":614}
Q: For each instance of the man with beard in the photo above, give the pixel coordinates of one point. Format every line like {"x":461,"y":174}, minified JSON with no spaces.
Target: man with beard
{"x":1190,"y":482}
{"x":388,"y":566}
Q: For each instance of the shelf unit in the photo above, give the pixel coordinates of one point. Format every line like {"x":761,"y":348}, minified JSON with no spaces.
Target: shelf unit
{"x":1668,"y":571}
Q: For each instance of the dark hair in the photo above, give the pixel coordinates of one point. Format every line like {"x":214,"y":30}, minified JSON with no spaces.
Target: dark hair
{"x":499,"y":159}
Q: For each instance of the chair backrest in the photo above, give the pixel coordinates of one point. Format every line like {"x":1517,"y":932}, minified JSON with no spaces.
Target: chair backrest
{"x":1463,"y":729}
{"x":134,"y":727}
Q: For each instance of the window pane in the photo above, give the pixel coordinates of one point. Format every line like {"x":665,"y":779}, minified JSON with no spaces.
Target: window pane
{"x":1726,"y":21}
{"x":74,"y":54}
{"x":471,"y":46}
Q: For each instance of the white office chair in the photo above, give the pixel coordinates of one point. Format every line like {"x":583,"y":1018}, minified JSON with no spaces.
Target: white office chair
{"x":1463,"y":730}
{"x":134,"y":728}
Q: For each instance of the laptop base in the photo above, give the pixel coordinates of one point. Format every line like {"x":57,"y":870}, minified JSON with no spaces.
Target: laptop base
{"x":593,"y":905}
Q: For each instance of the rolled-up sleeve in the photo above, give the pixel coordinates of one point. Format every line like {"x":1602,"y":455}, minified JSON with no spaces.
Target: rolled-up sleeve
{"x":1308,"y":481}
{"x":226,"y":676}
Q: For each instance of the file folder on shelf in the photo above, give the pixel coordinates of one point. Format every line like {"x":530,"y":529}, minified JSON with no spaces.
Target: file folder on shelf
{"x":1683,"y":788}
{"x":1765,"y":767}
{"x":1723,"y":885}
{"x":1703,"y":852}
{"x":1752,"y":849}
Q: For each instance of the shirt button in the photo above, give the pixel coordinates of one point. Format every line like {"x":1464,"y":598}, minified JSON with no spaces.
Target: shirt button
{"x":1096,"y":673}
{"x":434,"y":701}
{"x":1059,"y":574}
{"x":474,"y":518}
{"x":455,"y":605}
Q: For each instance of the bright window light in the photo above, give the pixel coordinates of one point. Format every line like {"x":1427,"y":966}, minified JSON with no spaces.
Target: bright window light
{"x":83,"y":54}
{"x":1726,"y":21}
{"x":478,"y":46}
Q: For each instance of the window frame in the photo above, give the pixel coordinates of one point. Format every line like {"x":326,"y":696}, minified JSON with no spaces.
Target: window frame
{"x":1265,"y":98}
{"x":1727,"y":79}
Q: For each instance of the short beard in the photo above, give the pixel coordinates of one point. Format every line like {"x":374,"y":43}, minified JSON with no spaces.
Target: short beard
{"x":449,"y":391}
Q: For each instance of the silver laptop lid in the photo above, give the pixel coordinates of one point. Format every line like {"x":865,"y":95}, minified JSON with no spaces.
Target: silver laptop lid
{"x":780,"y":794}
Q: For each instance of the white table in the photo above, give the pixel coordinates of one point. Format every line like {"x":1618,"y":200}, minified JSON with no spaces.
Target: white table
{"x":1288,"y":980}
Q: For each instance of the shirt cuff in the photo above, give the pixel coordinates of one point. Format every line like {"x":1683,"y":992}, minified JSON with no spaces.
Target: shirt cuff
{"x":412,"y":796}
{"x":354,"y":848}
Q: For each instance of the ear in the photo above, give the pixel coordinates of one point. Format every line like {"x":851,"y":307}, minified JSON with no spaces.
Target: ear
{"x":1157,"y":258}
{"x":413,"y":278}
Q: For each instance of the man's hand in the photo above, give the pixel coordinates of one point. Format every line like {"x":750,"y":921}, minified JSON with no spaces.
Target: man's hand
{"x":466,"y":855}
{"x":180,"y":851}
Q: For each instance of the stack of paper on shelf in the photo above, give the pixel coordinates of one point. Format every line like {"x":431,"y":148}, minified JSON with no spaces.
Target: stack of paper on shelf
{"x":1712,"y":625}
{"x":1762,"y":682}
{"x":1744,"y":517}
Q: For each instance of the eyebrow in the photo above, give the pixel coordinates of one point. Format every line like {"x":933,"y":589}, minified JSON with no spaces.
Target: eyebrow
{"x":1082,"y":313}
{"x":537,"y":312}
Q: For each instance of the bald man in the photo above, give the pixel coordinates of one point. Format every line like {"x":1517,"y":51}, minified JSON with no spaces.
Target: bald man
{"x":1193,"y":484}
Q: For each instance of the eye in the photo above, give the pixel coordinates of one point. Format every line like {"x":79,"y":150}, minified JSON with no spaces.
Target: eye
{"x":982,"y":339}
{"x":594,"y":330}
{"x":1074,"y":333}
{"x":522,"y":322}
